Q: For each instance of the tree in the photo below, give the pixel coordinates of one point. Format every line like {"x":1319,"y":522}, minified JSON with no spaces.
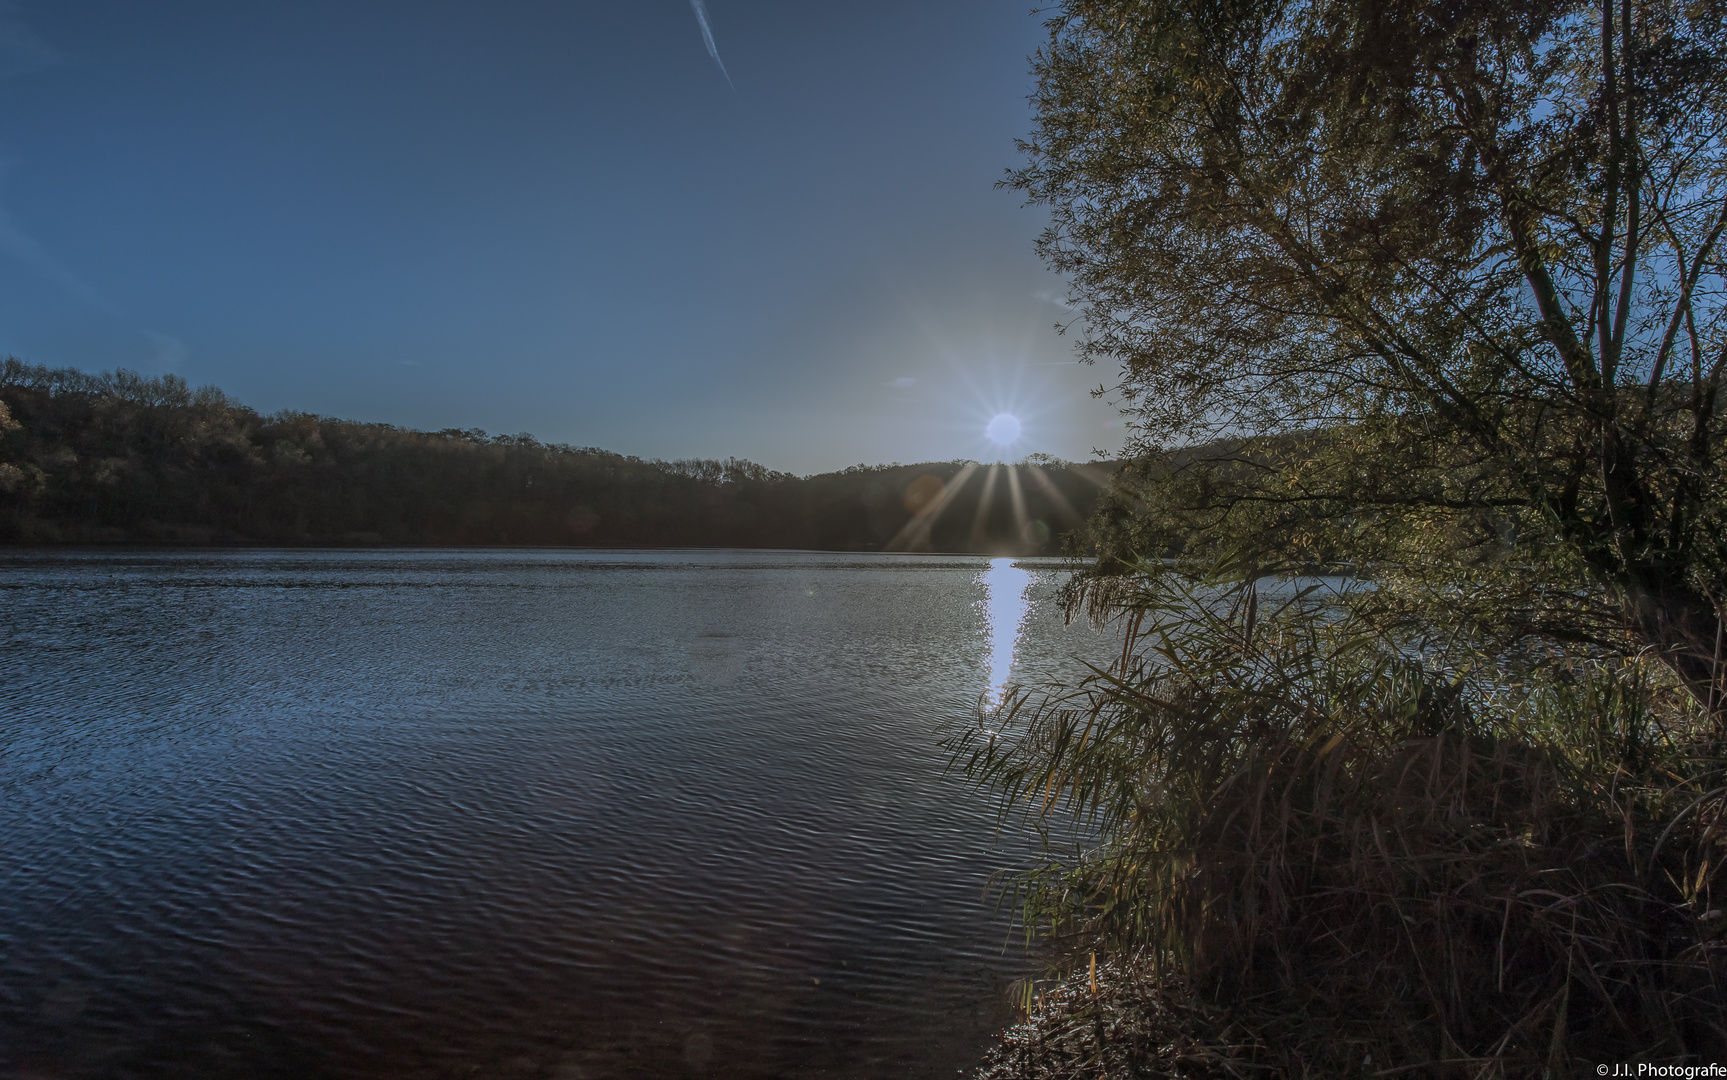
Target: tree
{"x":10,"y":475}
{"x":1449,"y":273}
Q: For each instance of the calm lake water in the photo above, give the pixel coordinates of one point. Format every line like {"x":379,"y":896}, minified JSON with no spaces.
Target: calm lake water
{"x":504,"y":814}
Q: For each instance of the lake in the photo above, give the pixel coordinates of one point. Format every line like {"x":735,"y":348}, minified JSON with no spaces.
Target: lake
{"x":506,"y":813}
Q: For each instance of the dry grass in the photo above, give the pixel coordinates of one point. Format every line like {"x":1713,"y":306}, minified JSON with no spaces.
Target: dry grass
{"x":1321,"y":857}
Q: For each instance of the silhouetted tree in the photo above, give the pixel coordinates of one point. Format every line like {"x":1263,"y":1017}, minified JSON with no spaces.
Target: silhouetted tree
{"x":1444,"y":278}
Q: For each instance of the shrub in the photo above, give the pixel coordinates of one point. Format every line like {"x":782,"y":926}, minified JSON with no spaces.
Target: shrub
{"x":1304,"y":850}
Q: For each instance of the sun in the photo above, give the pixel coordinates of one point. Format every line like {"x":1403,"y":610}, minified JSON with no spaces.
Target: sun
{"x":1003,"y":429}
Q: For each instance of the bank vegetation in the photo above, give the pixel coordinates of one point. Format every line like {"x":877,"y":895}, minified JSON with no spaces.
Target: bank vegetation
{"x":1434,"y":294}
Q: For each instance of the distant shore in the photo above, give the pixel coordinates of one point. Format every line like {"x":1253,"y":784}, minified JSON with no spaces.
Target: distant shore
{"x":122,"y":459}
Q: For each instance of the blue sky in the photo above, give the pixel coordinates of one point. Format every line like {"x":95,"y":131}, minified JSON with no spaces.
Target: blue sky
{"x":557,"y":218}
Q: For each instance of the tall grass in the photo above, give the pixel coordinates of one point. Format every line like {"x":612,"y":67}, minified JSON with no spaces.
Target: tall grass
{"x":1318,"y":853}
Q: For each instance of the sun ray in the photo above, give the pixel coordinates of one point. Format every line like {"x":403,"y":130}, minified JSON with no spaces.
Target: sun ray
{"x":1020,"y":517}
{"x":1088,"y":473}
{"x":1084,"y":472}
{"x":1054,"y":493}
{"x":980,"y":520}
{"x":916,"y":531}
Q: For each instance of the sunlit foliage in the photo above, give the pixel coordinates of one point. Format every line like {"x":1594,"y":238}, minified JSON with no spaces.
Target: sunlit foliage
{"x":1443,"y":279}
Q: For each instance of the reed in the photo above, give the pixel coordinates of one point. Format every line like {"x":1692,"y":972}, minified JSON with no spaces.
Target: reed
{"x":1304,"y":848}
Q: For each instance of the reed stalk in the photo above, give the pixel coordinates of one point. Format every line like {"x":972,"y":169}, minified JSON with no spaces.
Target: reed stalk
{"x":1300,"y":847}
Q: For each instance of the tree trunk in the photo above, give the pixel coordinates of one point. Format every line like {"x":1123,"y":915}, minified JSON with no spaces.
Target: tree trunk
{"x":1684,"y":628}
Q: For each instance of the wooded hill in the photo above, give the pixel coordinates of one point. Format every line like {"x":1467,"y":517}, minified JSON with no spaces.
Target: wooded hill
{"x":121,"y":458}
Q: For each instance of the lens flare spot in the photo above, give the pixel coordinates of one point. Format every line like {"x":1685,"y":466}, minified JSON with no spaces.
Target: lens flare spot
{"x":923,"y":493}
{"x":1003,"y":429}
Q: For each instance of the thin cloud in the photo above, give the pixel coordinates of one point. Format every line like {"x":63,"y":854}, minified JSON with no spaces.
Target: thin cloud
{"x":700,"y":7}
{"x":1050,"y":296}
{"x":904,"y":382}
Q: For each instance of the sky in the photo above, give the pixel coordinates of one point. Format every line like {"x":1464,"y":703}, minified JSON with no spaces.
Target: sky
{"x":572,"y":219}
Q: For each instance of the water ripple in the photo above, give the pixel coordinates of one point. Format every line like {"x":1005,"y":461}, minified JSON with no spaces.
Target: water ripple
{"x":428,"y":814}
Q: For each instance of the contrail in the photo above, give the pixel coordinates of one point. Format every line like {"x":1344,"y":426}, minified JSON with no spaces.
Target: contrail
{"x":701,"y":9}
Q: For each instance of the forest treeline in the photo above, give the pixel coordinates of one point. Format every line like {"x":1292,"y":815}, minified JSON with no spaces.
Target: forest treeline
{"x":123,"y":458}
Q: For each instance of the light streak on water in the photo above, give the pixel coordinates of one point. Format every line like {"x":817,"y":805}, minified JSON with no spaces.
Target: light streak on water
{"x":1007,"y":586}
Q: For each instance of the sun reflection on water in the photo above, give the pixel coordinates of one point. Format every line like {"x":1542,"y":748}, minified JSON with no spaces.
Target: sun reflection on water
{"x":1006,"y":586}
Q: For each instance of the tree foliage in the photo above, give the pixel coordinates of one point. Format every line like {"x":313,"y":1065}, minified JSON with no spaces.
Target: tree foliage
{"x":1444,"y":281}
